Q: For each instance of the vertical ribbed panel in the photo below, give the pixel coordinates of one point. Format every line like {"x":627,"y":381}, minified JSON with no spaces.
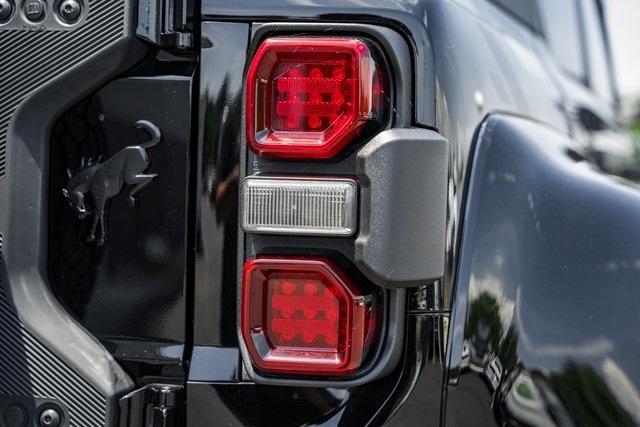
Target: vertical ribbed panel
{"x":30,"y":59}
{"x":299,"y":206}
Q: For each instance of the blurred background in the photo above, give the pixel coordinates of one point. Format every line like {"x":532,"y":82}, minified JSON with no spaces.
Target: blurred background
{"x":623,"y":20}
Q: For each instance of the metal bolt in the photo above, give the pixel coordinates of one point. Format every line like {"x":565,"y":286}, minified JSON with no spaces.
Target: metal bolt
{"x":34,"y":10}
{"x":6,"y":9}
{"x":49,"y":418}
{"x":69,"y":10}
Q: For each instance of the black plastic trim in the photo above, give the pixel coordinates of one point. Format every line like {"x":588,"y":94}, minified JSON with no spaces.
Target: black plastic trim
{"x":67,"y":362}
{"x":403,"y":214}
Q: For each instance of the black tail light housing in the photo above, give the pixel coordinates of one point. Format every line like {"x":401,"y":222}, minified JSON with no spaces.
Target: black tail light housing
{"x":309,"y":312}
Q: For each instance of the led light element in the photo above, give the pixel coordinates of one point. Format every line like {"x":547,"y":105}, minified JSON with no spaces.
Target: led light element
{"x":299,"y":206}
{"x":309,"y":97}
{"x":303,"y":316}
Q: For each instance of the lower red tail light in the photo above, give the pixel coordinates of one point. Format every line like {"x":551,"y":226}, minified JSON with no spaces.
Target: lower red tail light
{"x":303,"y":316}
{"x":308,"y":97}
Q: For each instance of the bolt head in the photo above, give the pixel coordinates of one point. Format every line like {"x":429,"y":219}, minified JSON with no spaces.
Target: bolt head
{"x":49,"y":418}
{"x":6,"y":9}
{"x":34,"y":10}
{"x":69,"y":10}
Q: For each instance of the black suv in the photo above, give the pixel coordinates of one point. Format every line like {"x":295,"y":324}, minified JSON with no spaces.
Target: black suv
{"x":299,"y":212}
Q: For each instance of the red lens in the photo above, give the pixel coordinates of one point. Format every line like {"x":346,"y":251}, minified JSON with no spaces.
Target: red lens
{"x":308,"y":97}
{"x":303,"y":316}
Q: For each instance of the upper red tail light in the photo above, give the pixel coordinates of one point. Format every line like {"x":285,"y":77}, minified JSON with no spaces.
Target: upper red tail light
{"x":308,"y":97}
{"x":303,"y":316}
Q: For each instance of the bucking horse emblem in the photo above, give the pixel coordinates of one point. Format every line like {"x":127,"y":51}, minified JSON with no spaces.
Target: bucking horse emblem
{"x":104,"y":180}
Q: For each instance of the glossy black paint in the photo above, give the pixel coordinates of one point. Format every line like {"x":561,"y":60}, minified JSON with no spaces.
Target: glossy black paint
{"x":485,"y":61}
{"x":217,"y":389}
{"x":380,"y":402}
{"x":408,"y":17}
{"x":451,"y":107}
{"x":215,"y":364}
{"x":544,"y":323}
{"x":514,"y":71}
{"x":130,"y":292}
{"x":545,"y":302}
{"x":222,"y":63}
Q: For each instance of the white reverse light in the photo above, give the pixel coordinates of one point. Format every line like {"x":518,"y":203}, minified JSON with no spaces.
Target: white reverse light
{"x":300,"y":206}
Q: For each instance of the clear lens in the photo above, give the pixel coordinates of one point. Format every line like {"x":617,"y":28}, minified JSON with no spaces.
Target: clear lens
{"x":312,"y":206}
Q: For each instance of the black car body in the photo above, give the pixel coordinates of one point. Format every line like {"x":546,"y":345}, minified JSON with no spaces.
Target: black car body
{"x":497,"y":225}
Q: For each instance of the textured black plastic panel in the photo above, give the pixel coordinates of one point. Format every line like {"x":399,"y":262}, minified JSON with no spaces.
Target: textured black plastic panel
{"x":51,"y":20}
{"x":39,"y":373}
{"x":29,"y":59}
{"x":403,"y":212}
{"x":45,"y":356}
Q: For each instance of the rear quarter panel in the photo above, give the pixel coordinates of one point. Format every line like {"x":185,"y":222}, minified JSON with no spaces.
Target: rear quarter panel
{"x":543,"y":326}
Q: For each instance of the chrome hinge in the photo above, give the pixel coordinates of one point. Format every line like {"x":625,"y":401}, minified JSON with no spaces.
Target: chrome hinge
{"x":155,"y":405}
{"x":165,"y":22}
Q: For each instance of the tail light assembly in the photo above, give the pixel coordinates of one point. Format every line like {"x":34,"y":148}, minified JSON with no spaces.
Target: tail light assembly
{"x":338,"y":214}
{"x":309,"y":97}
{"x":303,"y":315}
